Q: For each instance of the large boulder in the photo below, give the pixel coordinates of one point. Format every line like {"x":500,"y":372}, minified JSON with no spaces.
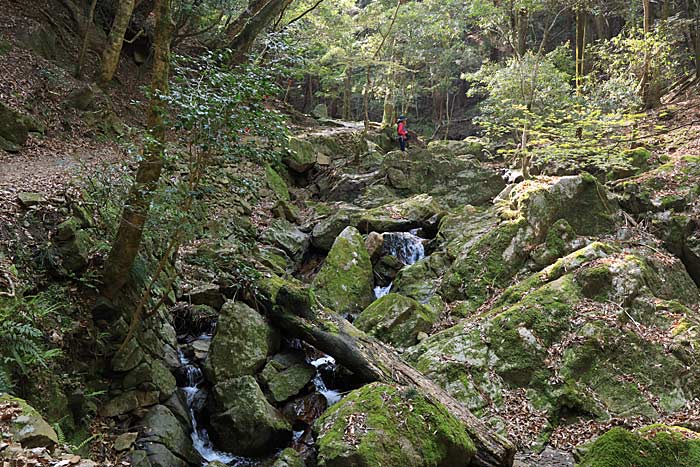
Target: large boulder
{"x":344,"y":283}
{"x":381,"y":425}
{"x":242,"y":420}
{"x":420,"y":211}
{"x":14,"y":128}
{"x":27,"y":426}
{"x":532,"y":208}
{"x":300,"y":156}
{"x":589,"y":336}
{"x":396,"y":319}
{"x":286,"y":236}
{"x":651,"y":446}
{"x":286,"y":375}
{"x":327,"y":229}
{"x":411,"y":213}
{"x":241,"y":345}
{"x":455,"y":179}
{"x":162,"y":427}
{"x":668,"y":200}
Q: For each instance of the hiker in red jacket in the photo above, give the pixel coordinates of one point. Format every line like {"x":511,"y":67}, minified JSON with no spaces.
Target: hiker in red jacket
{"x":403,"y":132}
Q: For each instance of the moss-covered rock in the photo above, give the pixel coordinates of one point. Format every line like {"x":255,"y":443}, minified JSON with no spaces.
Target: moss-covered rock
{"x":652,"y":446}
{"x":243,"y":422}
{"x":286,"y":375}
{"x":28,"y":427}
{"x":162,"y":427}
{"x":285,"y":235}
{"x":14,"y":128}
{"x":345,"y":280}
{"x":587,"y":335}
{"x":380,"y":425}
{"x":300,"y":155}
{"x":242,"y":342}
{"x":337,"y":219}
{"x":276,"y":183}
{"x":396,"y":319}
{"x":455,"y":179}
{"x":411,"y":213}
{"x":469,"y":147}
{"x":533,"y":207}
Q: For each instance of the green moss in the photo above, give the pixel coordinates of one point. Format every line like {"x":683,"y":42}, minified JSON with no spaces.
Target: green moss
{"x":276,"y":183}
{"x":345,"y":280}
{"x":654,"y":446}
{"x":482,"y":268}
{"x":396,"y":319}
{"x":595,"y":281}
{"x":521,"y":334}
{"x":392,"y":427}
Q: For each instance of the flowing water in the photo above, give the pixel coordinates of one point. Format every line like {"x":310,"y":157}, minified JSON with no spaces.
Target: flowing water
{"x":200,"y":438}
{"x":407,"y":247}
{"x":332,"y":396}
{"x":195,"y":394}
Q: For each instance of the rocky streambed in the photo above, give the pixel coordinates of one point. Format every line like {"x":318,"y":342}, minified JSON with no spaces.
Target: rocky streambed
{"x":552,"y":309}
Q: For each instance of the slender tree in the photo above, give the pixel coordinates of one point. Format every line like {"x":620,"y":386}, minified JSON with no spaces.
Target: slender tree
{"x":113,"y":48}
{"x":126,"y":245}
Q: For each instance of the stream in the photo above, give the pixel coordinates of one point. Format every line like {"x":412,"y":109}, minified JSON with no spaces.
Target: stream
{"x":407,"y":247}
{"x":196,"y":396}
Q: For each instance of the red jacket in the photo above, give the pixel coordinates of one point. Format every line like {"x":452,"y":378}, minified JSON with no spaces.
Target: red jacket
{"x":402,"y":129}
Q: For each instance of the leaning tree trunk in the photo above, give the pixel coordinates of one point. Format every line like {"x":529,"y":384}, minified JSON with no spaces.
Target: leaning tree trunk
{"x":297,"y":313}
{"x":126,"y":245}
{"x":113,"y":49}
{"x":251,"y":23}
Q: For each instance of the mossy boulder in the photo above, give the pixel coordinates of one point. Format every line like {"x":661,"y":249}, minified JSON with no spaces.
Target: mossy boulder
{"x":162,"y":427}
{"x":242,"y":420}
{"x":300,"y":155}
{"x":454,"y":179}
{"x":327,"y":229}
{"x":672,"y":186}
{"x":469,"y":147}
{"x":652,"y":446}
{"x":396,"y":319}
{"x":14,"y":128}
{"x":587,"y":336}
{"x":345,"y":280}
{"x":381,"y":425}
{"x":241,"y":345}
{"x":286,"y":375}
{"x":276,"y":183}
{"x":532,"y":208}
{"x":283,"y":234}
{"x":27,"y":426}
{"x":411,"y":213}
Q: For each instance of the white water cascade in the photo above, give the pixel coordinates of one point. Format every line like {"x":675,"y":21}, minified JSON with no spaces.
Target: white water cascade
{"x":200,"y":438}
{"x":407,"y":247}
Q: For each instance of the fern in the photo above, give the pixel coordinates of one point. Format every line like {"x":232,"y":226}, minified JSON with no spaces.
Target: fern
{"x":59,"y":432}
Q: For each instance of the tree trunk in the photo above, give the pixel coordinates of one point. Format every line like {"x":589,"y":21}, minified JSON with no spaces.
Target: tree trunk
{"x":86,"y":36}
{"x":388,"y":117}
{"x":347,"y":93}
{"x":523,"y":21}
{"x":648,"y":89}
{"x":371,"y":360}
{"x":113,"y":49}
{"x":247,"y":27}
{"x":581,"y":21}
{"x":126,"y":244}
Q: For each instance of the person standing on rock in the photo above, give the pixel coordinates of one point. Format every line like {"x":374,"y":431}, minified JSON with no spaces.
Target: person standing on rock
{"x":403,"y":133}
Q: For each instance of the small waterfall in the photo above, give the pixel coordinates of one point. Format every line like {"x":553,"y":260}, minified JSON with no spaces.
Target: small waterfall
{"x":194,"y":393}
{"x":407,"y":247}
{"x":332,"y":396}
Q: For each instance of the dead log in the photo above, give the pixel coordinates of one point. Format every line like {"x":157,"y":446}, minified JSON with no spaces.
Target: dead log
{"x":296,"y":312}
